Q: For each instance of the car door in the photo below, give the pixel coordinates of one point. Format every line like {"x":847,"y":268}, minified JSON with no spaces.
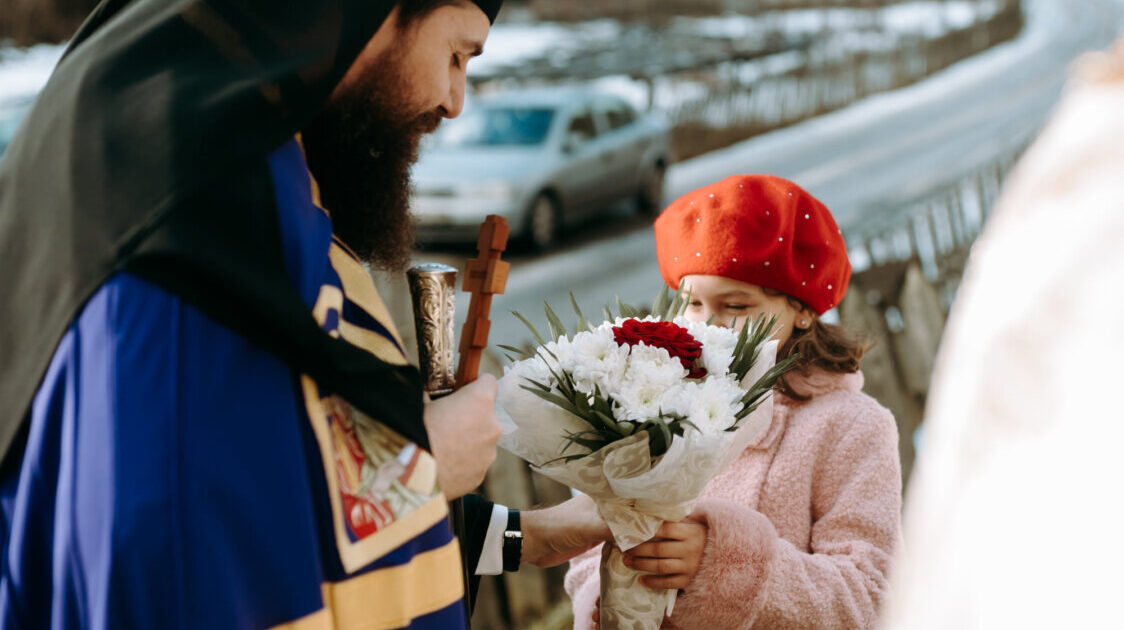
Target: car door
{"x":581,"y":179}
{"x":624,"y":147}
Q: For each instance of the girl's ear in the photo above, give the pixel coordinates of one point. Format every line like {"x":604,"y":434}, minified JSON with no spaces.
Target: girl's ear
{"x":804,"y":318}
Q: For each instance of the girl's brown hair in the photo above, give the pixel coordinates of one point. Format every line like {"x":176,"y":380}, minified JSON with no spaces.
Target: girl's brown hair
{"x":825,"y":346}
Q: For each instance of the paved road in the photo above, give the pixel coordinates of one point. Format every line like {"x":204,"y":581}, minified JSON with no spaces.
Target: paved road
{"x":886,"y":148}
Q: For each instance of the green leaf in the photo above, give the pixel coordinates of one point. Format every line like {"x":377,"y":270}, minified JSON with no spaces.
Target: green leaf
{"x":743,"y":335}
{"x":678,"y":305}
{"x":747,"y":353}
{"x":530,"y":326}
{"x":625,"y":309}
{"x":669,"y":314}
{"x":666,"y":433}
{"x":688,"y":423}
{"x":554,"y":399}
{"x":542,"y":386}
{"x":557,"y":328}
{"x":764,"y":384}
{"x":745,"y":412}
{"x":582,"y":405}
{"x":659,"y":437}
{"x":592,"y":445}
{"x":582,"y":325}
{"x":608,"y":314}
{"x":683,"y":303}
{"x":605,"y":425}
{"x":567,"y":459}
{"x":659,"y":306}
{"x":610,"y":422}
{"x":520,"y":352}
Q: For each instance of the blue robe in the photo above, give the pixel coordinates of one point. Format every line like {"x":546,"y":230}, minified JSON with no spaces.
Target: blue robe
{"x":176,"y":476}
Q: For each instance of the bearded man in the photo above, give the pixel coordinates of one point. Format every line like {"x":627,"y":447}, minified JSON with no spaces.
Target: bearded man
{"x":208,"y":418}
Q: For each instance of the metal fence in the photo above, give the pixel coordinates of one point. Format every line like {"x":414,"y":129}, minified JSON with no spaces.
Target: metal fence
{"x":915,"y":255}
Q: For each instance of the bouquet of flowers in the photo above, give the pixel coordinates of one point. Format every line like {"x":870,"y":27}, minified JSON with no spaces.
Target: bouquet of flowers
{"x":639,"y":413}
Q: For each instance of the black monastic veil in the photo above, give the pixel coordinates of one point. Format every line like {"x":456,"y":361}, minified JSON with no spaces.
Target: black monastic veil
{"x":147,"y":153}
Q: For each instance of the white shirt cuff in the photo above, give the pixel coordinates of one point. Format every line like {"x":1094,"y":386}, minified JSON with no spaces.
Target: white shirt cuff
{"x":491,"y":556}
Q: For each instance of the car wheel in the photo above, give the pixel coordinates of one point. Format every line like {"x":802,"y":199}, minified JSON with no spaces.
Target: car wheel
{"x":650,"y":198}
{"x":543,"y":223}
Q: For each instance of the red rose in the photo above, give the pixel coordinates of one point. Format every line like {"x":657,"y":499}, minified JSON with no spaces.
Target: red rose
{"x":671,"y":337}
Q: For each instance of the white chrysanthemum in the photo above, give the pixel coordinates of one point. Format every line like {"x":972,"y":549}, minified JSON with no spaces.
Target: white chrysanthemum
{"x":677,"y":399}
{"x":650,"y":373}
{"x":558,"y":354}
{"x":598,"y":360}
{"x":717,"y":344}
{"x":621,"y":320}
{"x":534,"y":369}
{"x":712,"y":404}
{"x":652,"y":363}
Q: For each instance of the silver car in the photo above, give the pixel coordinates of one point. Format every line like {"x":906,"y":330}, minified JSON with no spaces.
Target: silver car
{"x":542,"y":159}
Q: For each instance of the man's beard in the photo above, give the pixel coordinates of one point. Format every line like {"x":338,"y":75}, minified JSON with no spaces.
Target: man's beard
{"x":360,"y":150}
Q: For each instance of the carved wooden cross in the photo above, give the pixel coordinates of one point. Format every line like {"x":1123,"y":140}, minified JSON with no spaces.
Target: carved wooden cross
{"x":485,"y":276}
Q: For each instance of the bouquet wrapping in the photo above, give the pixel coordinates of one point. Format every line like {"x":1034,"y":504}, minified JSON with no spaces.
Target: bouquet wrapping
{"x":639,"y":413}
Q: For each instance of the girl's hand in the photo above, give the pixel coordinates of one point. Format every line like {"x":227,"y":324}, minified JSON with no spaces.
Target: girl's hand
{"x":672,"y":556}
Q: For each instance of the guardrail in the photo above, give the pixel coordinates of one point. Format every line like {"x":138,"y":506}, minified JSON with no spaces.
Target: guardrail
{"x":809,"y":82}
{"x":909,"y":259}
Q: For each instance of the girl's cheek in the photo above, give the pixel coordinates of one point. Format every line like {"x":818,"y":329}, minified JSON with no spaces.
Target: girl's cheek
{"x":695,"y":315}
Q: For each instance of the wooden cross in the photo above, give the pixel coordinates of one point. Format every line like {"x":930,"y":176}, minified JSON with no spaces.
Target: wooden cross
{"x":485,"y":276}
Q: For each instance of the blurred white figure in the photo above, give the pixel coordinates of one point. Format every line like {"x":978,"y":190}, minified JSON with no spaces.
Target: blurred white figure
{"x":1014,"y":513}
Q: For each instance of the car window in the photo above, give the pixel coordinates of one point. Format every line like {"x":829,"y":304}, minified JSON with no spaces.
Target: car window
{"x":497,"y":126}
{"x":582,"y":124}
{"x":619,"y":114}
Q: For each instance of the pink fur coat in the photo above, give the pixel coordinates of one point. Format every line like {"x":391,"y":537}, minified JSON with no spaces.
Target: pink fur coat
{"x":801,"y":527}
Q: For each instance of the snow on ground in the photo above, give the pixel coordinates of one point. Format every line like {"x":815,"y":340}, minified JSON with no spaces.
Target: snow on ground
{"x":908,"y":18}
{"x":24,"y":71}
{"x":1036,"y":35}
{"x":508,"y":44}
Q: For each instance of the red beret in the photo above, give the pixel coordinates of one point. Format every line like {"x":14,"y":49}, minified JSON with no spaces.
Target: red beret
{"x":758,"y":229}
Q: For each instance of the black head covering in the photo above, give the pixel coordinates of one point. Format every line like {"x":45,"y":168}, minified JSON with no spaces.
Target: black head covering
{"x":491,"y":8}
{"x":147,"y":152}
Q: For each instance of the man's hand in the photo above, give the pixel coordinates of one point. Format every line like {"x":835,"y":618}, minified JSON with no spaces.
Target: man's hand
{"x":463,"y":431}
{"x":556,"y":534}
{"x":672,"y":556}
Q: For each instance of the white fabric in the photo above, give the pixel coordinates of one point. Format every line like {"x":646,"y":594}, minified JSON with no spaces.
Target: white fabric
{"x":491,"y":556}
{"x":1011,"y":516}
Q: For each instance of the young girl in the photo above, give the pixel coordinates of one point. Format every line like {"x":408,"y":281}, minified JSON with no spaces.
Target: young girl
{"x":798,"y":532}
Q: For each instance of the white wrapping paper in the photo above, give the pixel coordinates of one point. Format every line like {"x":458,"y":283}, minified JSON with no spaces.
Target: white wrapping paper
{"x":633,"y":493}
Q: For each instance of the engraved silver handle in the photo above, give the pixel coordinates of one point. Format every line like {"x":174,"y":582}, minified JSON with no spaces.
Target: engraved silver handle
{"x":433,"y":290}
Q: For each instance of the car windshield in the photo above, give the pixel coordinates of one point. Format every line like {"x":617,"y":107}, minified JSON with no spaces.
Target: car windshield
{"x":497,"y":126}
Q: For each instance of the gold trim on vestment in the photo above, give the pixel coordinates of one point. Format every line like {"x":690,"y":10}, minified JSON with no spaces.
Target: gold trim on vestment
{"x":405,"y":592}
